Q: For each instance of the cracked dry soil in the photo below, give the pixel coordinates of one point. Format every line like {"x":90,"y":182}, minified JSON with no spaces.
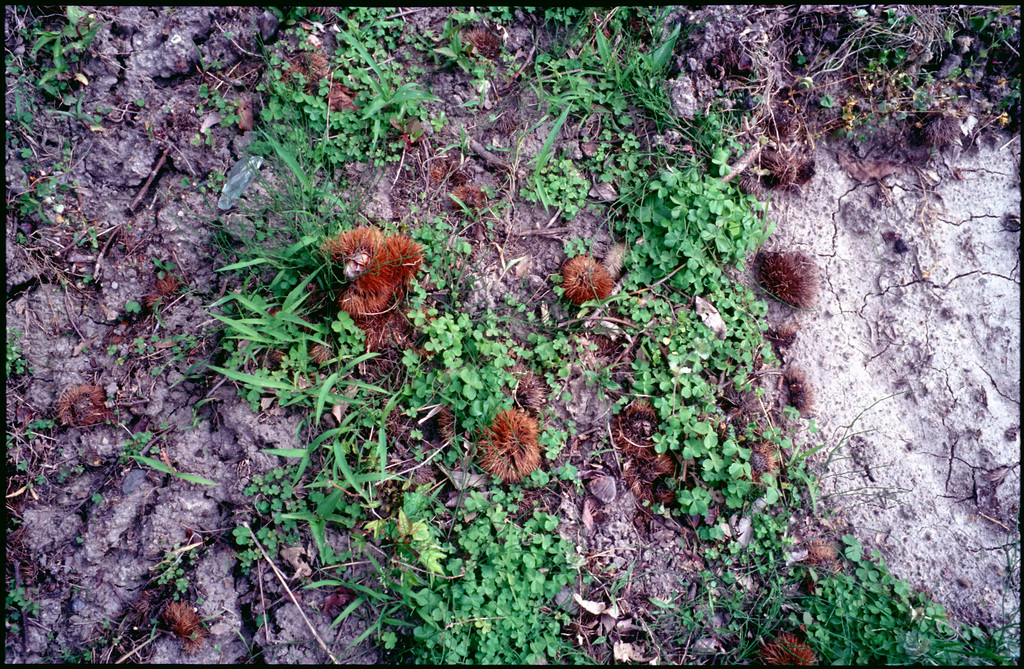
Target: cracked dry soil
{"x":914,"y":354}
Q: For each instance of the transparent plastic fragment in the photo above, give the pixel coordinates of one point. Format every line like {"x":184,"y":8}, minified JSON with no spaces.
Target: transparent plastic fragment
{"x":239,"y":178}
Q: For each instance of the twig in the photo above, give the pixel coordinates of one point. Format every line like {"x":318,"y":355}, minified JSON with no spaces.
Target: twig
{"x":152,"y":175}
{"x":659,"y":281}
{"x":479,"y":149}
{"x":263,"y":600}
{"x":743,"y":163}
{"x":994,"y":521}
{"x":541,"y":232}
{"x":291,"y":596}
{"x":99,"y":260}
{"x":24,"y":616}
{"x":136,"y":649}
{"x":67,"y":304}
{"x":405,"y":13}
{"x":1010,"y":142}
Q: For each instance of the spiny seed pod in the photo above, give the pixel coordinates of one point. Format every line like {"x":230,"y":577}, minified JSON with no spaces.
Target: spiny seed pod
{"x":584,"y":279}
{"x":469,"y":195}
{"x":275,"y":357}
{"x":383,"y":329}
{"x":781,"y":166}
{"x":762,"y":461}
{"x":163,"y":289}
{"x":790,"y":277}
{"x":509,"y":448}
{"x":315,"y":66}
{"x":486,"y":43}
{"x":823,"y":555}
{"x":356,"y":249}
{"x":507,"y":123}
{"x":321,"y":353}
{"x":531,"y":392}
{"x":82,"y":406}
{"x":378,"y":268}
{"x":613,"y":261}
{"x":787,"y":649}
{"x":403,"y":258}
{"x":642,"y":475}
{"x":634,"y":428}
{"x":186,"y":624}
{"x":440,"y":427}
{"x":801,"y":397}
{"x":782,"y":336}
{"x":940,"y":131}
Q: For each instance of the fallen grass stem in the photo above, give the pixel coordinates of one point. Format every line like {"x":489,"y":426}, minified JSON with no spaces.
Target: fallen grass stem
{"x":291,"y":596}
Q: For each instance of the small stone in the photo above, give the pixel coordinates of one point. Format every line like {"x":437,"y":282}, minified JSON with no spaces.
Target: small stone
{"x":684,"y":98}
{"x":113,"y":285}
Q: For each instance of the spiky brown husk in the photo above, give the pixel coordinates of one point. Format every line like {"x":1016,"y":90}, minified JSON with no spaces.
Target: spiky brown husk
{"x":470,"y":195}
{"x":940,"y":131}
{"x":823,"y":555}
{"x":486,"y":43}
{"x":613,"y":261}
{"x":379,"y":268}
{"x":383,"y":330}
{"x":643,"y":473}
{"x":509,"y":448}
{"x":782,"y":336}
{"x":634,"y":428}
{"x":402,"y":258}
{"x":787,"y":649}
{"x":584,"y":279}
{"x":186,"y":624}
{"x":531,"y":393}
{"x":801,"y":397}
{"x":345,"y":246}
{"x":162,"y":289}
{"x":82,"y":406}
{"x":790,"y":277}
{"x":508,"y":122}
{"x":763,"y":461}
{"x":321,"y":353}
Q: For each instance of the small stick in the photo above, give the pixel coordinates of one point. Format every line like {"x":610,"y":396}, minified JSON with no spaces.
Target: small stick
{"x":145,"y":186}
{"x":288,"y":590}
{"x":542,"y":232}
{"x":743,"y":163}
{"x":479,"y":149}
{"x":136,"y":649}
{"x":994,"y":521}
{"x":99,"y":261}
{"x":266,"y":626}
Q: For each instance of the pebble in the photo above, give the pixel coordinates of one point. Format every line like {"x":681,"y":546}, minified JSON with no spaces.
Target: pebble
{"x":113,"y":285}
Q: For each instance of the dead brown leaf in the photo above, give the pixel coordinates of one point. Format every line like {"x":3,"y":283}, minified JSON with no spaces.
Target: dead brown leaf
{"x":588,"y":513}
{"x":604,"y":191}
{"x":293,"y":555}
{"x":245,"y":114}
{"x":710,"y":317}
{"x":341,"y":98}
